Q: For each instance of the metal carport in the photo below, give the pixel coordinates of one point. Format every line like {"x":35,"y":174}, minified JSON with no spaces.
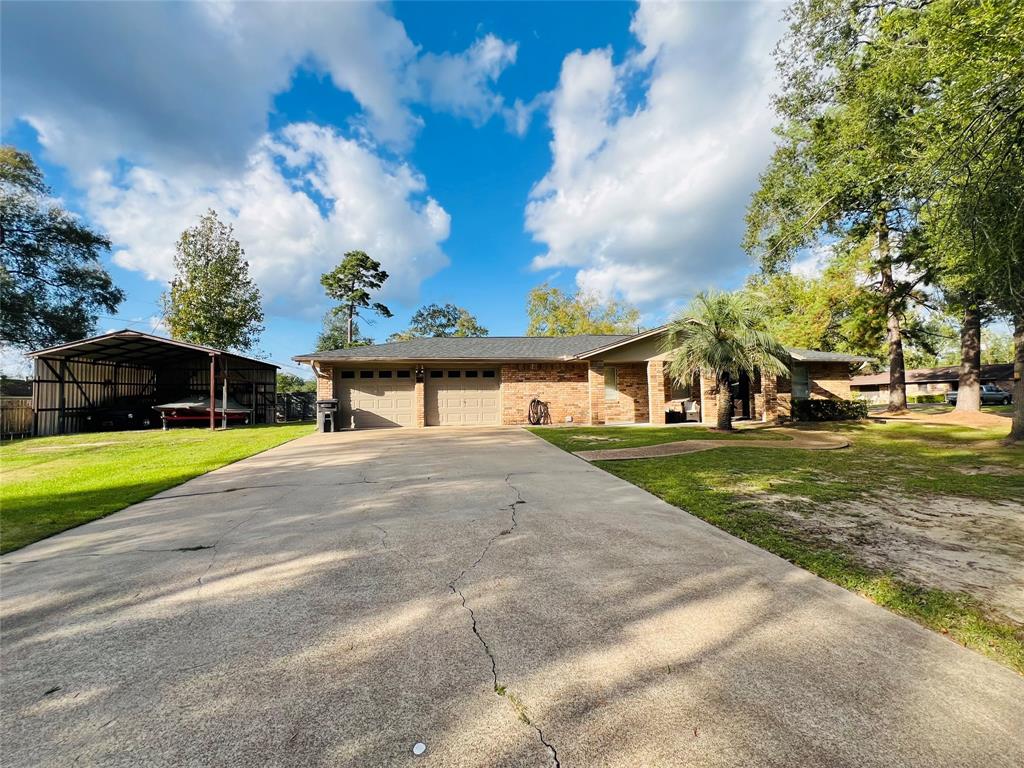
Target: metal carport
{"x":76,"y":379}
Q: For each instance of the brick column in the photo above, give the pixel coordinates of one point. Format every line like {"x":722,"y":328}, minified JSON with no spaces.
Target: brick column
{"x":708,"y":399}
{"x":595,"y":379}
{"x":421,"y":402}
{"x":769,"y":399}
{"x":656,"y":391}
{"x":324,"y":382}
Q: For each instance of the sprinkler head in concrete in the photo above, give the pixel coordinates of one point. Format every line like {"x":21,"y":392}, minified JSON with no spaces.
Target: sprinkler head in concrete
{"x":419,"y":748}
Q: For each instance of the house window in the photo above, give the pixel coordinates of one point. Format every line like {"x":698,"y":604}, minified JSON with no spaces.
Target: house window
{"x":611,"y":384}
{"x":348,"y":374}
{"x":801,"y":383}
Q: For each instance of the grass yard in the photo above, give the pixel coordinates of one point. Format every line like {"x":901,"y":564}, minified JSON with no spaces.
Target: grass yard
{"x":574,"y":439}
{"x":838,"y":514}
{"x":50,"y":484}
{"x":938,"y":408}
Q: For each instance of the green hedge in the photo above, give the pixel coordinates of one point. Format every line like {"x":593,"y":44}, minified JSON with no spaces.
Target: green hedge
{"x":829,"y":410}
{"x":926,"y":399}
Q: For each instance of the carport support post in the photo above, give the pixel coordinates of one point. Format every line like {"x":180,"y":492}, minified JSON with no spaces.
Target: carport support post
{"x":213,"y":391}
{"x":224,"y":401}
{"x":61,"y":402}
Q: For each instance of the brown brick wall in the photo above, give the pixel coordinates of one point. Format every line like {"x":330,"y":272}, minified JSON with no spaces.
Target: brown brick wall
{"x":595,"y":375}
{"x":419,"y":396}
{"x":631,"y":405}
{"x":708,"y":399}
{"x":563,"y":386}
{"x":829,"y":380}
{"x":325,"y":383}
{"x":659,"y":390}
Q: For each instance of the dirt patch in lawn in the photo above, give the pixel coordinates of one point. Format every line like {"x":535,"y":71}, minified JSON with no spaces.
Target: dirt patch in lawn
{"x":979,"y":419}
{"x":951,"y":543}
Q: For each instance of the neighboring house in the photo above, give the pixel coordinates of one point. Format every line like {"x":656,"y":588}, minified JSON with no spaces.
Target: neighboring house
{"x":874,"y":387}
{"x":583,"y":379}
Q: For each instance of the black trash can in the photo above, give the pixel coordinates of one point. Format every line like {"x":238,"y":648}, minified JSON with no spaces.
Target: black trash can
{"x":326,"y":415}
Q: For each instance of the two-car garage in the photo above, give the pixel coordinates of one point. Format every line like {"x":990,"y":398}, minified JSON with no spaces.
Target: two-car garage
{"x":383,"y":397}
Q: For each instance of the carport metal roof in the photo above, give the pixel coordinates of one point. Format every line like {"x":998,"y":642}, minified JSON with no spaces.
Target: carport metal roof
{"x":134,"y":346}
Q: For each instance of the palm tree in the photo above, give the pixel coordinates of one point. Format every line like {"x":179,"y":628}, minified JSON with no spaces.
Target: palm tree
{"x":723,"y":333}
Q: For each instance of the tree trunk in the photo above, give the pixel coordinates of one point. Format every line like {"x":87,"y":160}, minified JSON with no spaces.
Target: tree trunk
{"x":893,"y":332}
{"x":1017,"y":426}
{"x":724,"y":402}
{"x":968,"y":397}
{"x":351,"y":323}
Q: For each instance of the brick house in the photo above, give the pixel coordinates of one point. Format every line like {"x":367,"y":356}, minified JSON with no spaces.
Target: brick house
{"x":583,"y":379}
{"x":874,"y":387}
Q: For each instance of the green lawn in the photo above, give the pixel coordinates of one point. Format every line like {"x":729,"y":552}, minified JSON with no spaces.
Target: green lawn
{"x":906,"y":458}
{"x":574,"y":439}
{"x":937,"y":408}
{"x":50,"y":484}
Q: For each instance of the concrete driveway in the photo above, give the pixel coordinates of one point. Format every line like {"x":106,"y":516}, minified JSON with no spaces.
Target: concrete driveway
{"x":340,"y":598}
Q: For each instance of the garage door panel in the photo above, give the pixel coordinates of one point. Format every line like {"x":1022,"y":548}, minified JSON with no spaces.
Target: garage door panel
{"x":376,"y":401}
{"x":463,"y":400}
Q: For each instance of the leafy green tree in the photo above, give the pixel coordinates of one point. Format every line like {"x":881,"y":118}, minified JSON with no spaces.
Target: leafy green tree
{"x":973,"y":160}
{"x":831,"y":311}
{"x":334,"y":334}
{"x":996,"y":347}
{"x":552,"y":312}
{"x":723,"y":334}
{"x":212,"y":299}
{"x":289,"y":382}
{"x":52,"y":284}
{"x":841,"y":170}
{"x":350,"y":284}
{"x":435,"y":320}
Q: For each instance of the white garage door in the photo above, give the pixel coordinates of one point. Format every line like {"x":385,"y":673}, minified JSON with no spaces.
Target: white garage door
{"x":457,"y":397}
{"x":375,"y":397}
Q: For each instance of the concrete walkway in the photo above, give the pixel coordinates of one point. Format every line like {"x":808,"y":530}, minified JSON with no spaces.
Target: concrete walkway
{"x":337,"y":599}
{"x":810,"y":441}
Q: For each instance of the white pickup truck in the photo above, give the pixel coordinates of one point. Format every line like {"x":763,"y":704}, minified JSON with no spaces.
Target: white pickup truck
{"x":990,"y":395}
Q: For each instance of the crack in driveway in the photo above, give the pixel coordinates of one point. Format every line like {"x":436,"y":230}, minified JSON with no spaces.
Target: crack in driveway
{"x":501,"y":690}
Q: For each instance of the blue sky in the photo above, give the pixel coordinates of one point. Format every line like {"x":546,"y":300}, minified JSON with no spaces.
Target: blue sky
{"x":476,"y":149}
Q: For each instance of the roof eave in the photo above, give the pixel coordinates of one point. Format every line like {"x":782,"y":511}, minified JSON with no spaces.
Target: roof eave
{"x":621,"y":343}
{"x":427,"y":360}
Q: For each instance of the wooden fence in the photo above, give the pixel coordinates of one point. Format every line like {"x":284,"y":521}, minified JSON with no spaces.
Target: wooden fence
{"x":15,"y":417}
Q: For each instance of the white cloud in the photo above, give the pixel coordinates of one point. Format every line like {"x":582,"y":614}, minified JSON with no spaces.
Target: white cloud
{"x":813,"y":261}
{"x":646,"y":196}
{"x":160,"y":111}
{"x":192,"y":83}
{"x":305,"y":196}
{"x":14,"y":363}
{"x":462,"y":83}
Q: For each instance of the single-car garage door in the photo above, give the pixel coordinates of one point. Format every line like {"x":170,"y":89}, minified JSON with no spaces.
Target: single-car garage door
{"x":375,"y":397}
{"x":463,"y":397}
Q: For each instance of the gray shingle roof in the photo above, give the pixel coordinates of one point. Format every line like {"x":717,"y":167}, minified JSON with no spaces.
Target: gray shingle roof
{"x":471,"y":348}
{"x":817,"y":356}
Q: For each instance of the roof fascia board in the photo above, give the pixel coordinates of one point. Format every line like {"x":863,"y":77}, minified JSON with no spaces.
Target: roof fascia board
{"x":435,"y":360}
